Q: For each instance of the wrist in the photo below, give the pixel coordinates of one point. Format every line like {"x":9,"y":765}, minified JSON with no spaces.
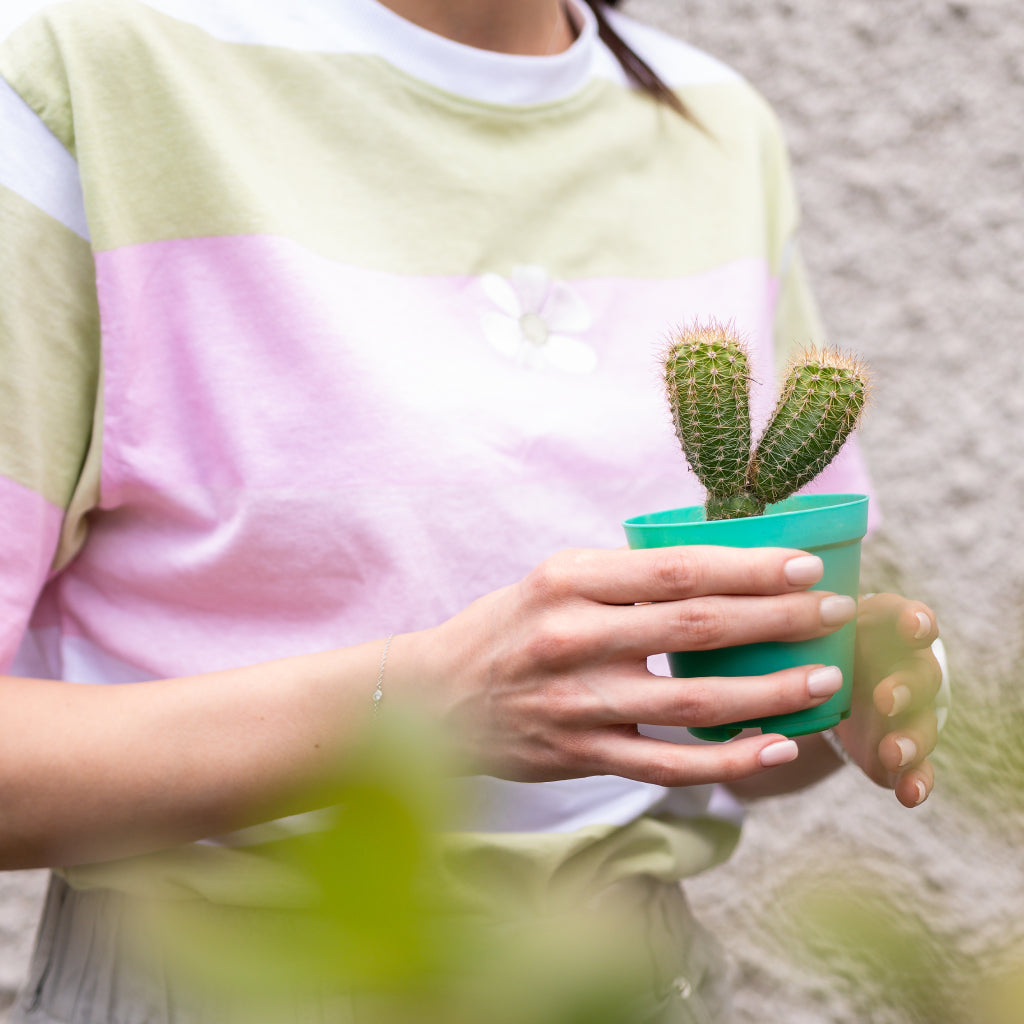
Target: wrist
{"x":410,"y":673}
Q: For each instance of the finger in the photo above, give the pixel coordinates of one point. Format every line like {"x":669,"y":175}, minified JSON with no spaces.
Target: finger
{"x":910,"y":745}
{"x":709,"y":623}
{"x":894,"y":621}
{"x":713,"y":700}
{"x":913,"y":787}
{"x":669,"y":574}
{"x":673,"y":764}
{"x":912,"y":685}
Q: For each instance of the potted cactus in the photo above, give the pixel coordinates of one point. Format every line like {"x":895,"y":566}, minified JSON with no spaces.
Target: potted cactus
{"x":750,"y":495}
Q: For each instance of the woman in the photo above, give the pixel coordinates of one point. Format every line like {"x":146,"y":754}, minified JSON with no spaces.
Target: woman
{"x":334,"y":323}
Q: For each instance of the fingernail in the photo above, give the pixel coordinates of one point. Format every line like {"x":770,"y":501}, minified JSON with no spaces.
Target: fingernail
{"x":901,"y":697}
{"x":924,"y":626}
{"x":778,"y":753}
{"x":922,"y":793}
{"x":908,"y":750}
{"x":823,"y":682}
{"x":803,"y":571}
{"x":837,"y":610}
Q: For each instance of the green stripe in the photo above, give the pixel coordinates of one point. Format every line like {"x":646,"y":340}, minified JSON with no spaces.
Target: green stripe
{"x":215,"y":138}
{"x":483,"y":871}
{"x":536,"y":871}
{"x":49,"y":346}
{"x":31,"y":60}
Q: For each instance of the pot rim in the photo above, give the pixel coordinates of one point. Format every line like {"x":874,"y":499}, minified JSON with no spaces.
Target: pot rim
{"x":802,"y":521}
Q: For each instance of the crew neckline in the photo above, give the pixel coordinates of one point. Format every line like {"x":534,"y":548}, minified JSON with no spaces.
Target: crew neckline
{"x":484,"y":75}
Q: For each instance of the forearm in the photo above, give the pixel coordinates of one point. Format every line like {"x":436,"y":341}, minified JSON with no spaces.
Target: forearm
{"x":99,"y":772}
{"x":539,"y":680}
{"x":816,"y":761}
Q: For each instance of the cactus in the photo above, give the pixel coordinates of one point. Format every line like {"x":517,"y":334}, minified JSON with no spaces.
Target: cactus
{"x":708,"y":386}
{"x":708,"y":380}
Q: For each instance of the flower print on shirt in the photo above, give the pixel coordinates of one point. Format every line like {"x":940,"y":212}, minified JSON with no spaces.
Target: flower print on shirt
{"x":536,"y":319}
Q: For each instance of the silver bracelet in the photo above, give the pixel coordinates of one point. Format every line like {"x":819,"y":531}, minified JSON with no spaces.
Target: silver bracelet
{"x":838,"y":749}
{"x":944,"y":698}
{"x":378,"y":693}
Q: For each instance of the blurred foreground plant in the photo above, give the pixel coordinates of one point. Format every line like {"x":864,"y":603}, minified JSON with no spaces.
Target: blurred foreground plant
{"x":379,"y":936}
{"x":864,"y":929}
{"x":856,"y":928}
{"x":859,"y":929}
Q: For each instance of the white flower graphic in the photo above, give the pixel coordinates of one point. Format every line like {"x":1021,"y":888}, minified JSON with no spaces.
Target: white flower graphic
{"x":535,"y":319}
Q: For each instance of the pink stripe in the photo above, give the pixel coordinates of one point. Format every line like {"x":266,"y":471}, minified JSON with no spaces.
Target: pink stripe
{"x":32,"y":527}
{"x":268,"y":380}
{"x":294,"y":459}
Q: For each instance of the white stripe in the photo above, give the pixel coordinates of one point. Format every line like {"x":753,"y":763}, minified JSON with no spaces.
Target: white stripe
{"x":34,"y":164}
{"x":496,"y":805}
{"x":369,"y":27}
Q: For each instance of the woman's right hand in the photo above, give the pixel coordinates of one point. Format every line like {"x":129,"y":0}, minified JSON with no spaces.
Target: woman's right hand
{"x":547,"y":678}
{"x":544,"y":679}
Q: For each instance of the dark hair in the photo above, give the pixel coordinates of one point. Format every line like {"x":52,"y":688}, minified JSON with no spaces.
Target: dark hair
{"x":638,"y":71}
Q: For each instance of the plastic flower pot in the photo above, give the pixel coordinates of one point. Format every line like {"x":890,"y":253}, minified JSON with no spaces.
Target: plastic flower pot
{"x":828,"y":525}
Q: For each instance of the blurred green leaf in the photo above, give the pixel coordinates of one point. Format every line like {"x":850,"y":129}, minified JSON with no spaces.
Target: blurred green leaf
{"x":999,"y":992}
{"x":857,"y":928}
{"x":381,"y":929}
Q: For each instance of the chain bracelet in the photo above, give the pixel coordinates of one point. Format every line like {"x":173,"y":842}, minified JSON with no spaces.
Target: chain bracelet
{"x":378,"y":693}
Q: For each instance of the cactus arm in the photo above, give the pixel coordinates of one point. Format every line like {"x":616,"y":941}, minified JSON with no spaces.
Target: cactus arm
{"x":707,"y":381}
{"x":820,"y":404}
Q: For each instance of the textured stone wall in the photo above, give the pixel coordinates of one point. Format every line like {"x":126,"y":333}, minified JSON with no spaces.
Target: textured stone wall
{"x":906,"y":122}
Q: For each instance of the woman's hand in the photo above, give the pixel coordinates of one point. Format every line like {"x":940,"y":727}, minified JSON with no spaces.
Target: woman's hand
{"x":547,"y":678}
{"x":892,"y":726}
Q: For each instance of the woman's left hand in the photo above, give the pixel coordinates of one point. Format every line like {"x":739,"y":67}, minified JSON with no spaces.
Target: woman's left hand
{"x":892,"y":727}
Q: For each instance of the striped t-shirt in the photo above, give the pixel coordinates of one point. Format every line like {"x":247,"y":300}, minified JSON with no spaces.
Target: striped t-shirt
{"x":316,"y":326}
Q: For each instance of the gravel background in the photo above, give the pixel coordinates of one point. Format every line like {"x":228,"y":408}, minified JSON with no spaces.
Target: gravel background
{"x":906,"y":122}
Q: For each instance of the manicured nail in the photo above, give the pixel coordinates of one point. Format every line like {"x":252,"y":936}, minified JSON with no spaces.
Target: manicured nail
{"x":908,"y":750}
{"x":922,"y":793}
{"x":778,"y":753}
{"x":837,"y":610}
{"x":804,"y":570}
{"x":901,"y":697}
{"x":823,"y":682}
{"x":924,"y":626}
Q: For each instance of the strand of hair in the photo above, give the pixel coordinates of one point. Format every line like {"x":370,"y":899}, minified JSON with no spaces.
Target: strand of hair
{"x":637,"y":69}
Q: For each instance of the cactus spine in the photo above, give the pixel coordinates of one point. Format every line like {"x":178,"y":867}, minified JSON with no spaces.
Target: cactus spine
{"x":707,"y":379}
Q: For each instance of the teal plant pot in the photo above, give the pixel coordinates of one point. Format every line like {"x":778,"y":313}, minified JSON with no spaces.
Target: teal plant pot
{"x":830,"y":526}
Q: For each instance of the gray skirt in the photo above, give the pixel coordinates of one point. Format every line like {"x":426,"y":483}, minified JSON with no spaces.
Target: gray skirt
{"x":94,"y":965}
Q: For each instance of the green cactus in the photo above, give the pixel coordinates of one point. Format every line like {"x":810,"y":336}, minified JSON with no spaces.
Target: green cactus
{"x":707,"y":378}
